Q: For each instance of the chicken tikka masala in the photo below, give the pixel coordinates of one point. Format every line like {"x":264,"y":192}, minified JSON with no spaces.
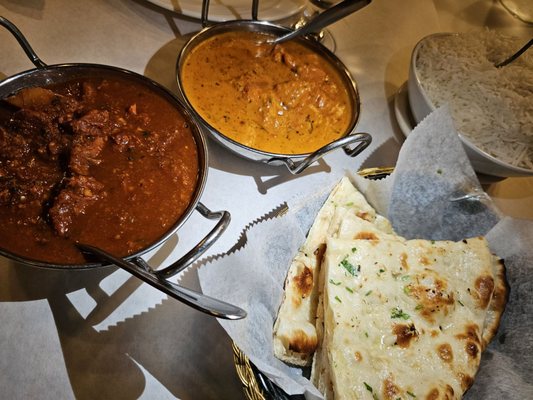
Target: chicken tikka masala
{"x":284,"y":99}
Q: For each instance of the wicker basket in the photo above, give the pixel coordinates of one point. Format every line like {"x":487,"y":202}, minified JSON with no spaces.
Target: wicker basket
{"x":246,"y":374}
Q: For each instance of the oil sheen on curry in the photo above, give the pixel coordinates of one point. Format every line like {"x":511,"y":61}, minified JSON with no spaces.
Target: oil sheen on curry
{"x":283,"y":99}
{"x":103,"y":162}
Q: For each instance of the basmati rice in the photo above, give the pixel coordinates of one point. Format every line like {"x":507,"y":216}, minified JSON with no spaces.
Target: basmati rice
{"x":493,"y":107}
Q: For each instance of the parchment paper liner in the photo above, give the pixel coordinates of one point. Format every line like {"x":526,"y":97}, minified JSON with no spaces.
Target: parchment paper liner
{"x":433,"y":193}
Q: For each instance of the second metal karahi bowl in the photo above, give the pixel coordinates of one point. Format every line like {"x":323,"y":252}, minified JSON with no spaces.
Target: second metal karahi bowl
{"x":352,"y":143}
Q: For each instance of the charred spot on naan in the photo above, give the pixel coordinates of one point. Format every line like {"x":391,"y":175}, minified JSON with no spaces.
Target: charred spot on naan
{"x":431,"y":294}
{"x":470,"y":333}
{"x":390,"y":391}
{"x":301,"y":342}
{"x":445,"y":352}
{"x":472,"y":341}
{"x":403,"y":261}
{"x":472,"y":350}
{"x":365,"y":215}
{"x":484,"y":287}
{"x":319,"y":253}
{"x":405,"y":333}
{"x":366,"y":236}
{"x":303,"y":282}
{"x":436,"y":394}
{"x":498,"y":302}
{"x":466,"y":380}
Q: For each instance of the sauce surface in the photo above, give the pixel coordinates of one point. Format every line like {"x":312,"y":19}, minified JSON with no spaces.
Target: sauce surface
{"x":283,"y":99}
{"x":103,"y":162}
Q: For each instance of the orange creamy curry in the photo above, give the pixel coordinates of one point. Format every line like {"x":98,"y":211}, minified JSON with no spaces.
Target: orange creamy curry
{"x":281,"y":99}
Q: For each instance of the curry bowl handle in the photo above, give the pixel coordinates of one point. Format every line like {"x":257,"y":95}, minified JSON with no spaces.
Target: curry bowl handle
{"x":362,"y":139}
{"x":202,"y":246}
{"x":158,"y":278}
{"x":140,"y":269}
{"x":23,"y":42}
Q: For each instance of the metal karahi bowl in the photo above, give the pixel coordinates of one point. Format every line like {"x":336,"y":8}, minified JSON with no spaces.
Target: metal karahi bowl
{"x":294,"y":162}
{"x":45,"y":75}
{"x":66,"y":72}
{"x":421,"y":106}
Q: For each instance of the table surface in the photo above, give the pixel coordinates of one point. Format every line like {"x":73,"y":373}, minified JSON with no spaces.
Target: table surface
{"x":103,"y":334}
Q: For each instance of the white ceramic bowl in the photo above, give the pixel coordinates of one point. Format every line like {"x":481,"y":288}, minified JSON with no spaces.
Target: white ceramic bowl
{"x":421,"y":106}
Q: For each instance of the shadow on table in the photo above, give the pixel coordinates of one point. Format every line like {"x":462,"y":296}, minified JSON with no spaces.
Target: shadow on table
{"x":176,"y":350}
{"x":265,"y":176}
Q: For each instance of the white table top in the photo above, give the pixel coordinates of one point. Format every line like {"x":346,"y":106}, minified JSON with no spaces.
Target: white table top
{"x":100,"y":333}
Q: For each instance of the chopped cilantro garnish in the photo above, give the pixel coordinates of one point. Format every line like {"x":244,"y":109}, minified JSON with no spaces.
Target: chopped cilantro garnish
{"x":407,"y":290}
{"x":354,"y":249}
{"x":397,"y":312}
{"x":369,"y":388}
{"x":460,"y":302}
{"x":334,"y":283}
{"x":411,"y":394}
{"x":439,"y":171}
{"x":337,"y":298}
{"x":419,"y":307}
{"x":349,"y":204}
{"x":381,"y":270}
{"x":366,"y":334}
{"x":368,"y":293}
{"x":349,"y":267}
{"x":349,"y":290}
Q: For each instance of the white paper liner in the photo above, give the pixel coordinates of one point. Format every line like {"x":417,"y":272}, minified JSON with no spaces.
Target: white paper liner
{"x":432,"y":194}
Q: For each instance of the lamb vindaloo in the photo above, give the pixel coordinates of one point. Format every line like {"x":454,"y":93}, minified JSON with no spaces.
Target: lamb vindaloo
{"x":106,"y":162}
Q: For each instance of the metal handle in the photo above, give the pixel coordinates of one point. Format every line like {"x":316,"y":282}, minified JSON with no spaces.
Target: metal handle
{"x":363,"y":140}
{"x":205,"y":11}
{"x":23,"y":42}
{"x":514,"y":56}
{"x":255,"y":8}
{"x":325,"y":18}
{"x":202,"y":246}
{"x":141,"y":270}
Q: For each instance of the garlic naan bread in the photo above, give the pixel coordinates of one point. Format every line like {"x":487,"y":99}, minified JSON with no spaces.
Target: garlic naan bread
{"x":351,"y":227}
{"x":295,"y":337}
{"x":385,"y":317}
{"x":405,"y":319}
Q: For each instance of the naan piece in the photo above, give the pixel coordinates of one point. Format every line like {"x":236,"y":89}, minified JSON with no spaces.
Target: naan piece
{"x":406,"y":319}
{"x":497,"y":303}
{"x":295,"y":336}
{"x":351,"y":227}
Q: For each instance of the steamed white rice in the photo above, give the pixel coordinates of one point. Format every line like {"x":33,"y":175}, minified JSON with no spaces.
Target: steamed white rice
{"x":493,"y":107}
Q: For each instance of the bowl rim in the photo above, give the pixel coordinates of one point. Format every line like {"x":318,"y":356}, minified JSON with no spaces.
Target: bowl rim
{"x":465,"y":140}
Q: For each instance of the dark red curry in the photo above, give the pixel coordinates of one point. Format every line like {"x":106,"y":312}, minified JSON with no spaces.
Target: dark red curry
{"x":103,"y":162}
